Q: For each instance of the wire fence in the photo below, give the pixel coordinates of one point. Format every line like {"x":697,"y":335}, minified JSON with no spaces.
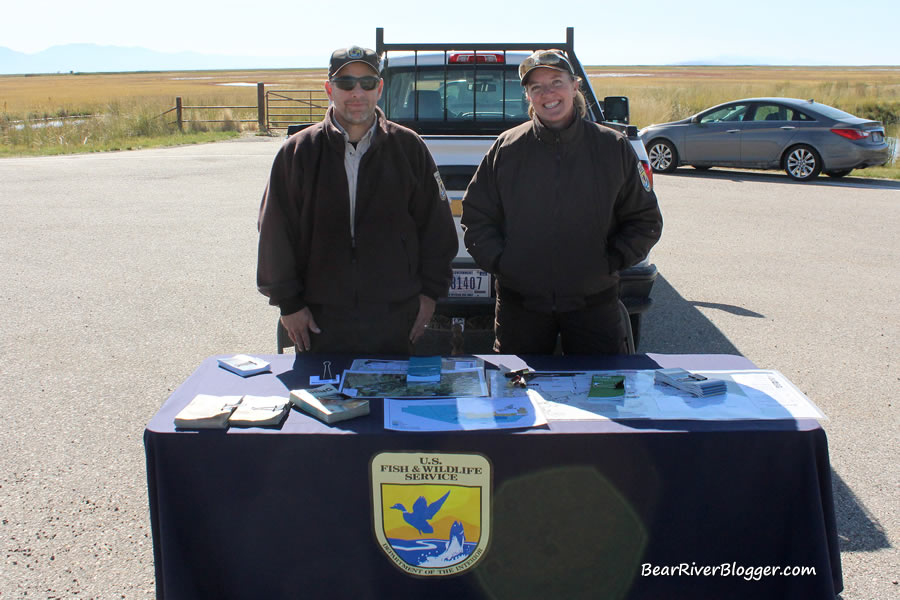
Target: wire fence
{"x":275,"y":110}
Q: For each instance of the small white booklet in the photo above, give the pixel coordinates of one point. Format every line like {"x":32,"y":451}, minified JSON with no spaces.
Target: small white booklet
{"x":328,"y":405}
{"x":259,"y":411}
{"x":207,"y":412}
{"x":244,"y":365}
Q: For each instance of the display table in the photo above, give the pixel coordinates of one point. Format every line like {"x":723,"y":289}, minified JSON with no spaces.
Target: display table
{"x":587,"y":509}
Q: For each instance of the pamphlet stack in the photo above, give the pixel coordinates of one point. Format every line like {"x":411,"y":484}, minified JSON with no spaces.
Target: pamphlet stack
{"x":692,"y":383}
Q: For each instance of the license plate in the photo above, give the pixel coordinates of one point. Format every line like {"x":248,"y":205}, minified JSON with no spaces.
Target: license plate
{"x":877,"y":137}
{"x":470,"y":283}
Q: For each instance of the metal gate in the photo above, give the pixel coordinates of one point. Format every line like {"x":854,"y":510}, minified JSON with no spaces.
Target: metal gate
{"x":290,"y":107}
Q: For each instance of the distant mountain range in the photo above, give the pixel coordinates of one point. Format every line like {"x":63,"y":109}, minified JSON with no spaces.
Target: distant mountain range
{"x":93,"y":58}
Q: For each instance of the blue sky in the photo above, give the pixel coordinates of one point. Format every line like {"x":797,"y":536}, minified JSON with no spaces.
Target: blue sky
{"x":645,"y":32}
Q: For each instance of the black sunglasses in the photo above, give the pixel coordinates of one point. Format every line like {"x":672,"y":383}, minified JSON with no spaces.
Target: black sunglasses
{"x":347,"y":83}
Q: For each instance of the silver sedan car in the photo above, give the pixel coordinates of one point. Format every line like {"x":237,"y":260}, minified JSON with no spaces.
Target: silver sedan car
{"x":802,"y":137}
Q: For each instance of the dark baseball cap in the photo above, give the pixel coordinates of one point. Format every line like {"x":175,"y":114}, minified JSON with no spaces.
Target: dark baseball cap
{"x":344,"y":56}
{"x":551,"y":59}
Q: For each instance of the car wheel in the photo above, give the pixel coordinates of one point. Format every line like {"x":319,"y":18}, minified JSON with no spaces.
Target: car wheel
{"x":802,"y":163}
{"x":838,"y":174}
{"x":663,"y":157}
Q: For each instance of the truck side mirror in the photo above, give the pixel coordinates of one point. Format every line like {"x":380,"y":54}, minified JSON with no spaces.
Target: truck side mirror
{"x":615,"y":109}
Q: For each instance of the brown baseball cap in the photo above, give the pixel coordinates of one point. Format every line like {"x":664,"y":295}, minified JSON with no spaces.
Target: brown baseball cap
{"x":344,"y":56}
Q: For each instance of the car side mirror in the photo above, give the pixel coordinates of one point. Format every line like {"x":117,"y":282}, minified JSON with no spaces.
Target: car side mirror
{"x":695,"y":119}
{"x":615,"y":109}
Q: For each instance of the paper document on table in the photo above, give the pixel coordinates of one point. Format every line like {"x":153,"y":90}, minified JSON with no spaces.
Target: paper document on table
{"x":753,"y":394}
{"x":505,"y":362}
{"x":750,"y":394}
{"x":462,"y":414}
{"x":383,"y":384}
{"x":377,"y":364}
{"x":578,"y":405}
{"x":401,"y":366}
{"x":555,"y":384}
{"x":565,"y":398}
{"x":773,"y":393}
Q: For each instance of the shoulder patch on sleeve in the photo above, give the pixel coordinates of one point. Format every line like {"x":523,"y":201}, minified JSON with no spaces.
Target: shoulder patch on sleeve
{"x":440,"y":184}
{"x":645,"y":181}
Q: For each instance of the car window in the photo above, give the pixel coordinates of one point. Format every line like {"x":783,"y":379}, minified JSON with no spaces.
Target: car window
{"x":800,"y":116}
{"x":771,"y":112}
{"x":455,"y":94}
{"x":830,"y":111}
{"x":733,"y":112}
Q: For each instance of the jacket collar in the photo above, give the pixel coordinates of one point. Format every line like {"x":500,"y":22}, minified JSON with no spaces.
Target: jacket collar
{"x":335,"y":135}
{"x":563,"y":136}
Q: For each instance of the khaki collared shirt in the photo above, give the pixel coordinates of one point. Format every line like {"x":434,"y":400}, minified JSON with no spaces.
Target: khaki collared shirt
{"x":352,"y":157}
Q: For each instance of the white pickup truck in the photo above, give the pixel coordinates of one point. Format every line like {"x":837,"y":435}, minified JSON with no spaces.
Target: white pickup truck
{"x":459,"y":97}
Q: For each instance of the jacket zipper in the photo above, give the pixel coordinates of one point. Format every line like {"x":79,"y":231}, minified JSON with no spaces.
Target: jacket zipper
{"x":557,"y":200}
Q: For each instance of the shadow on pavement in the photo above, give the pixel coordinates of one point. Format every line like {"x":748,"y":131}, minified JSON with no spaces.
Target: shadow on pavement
{"x":675,"y":326}
{"x":858,"y":530}
{"x":781,"y":177}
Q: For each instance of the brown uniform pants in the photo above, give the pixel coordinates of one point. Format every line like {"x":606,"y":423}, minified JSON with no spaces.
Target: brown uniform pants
{"x":595,"y":329}
{"x":364,"y":329}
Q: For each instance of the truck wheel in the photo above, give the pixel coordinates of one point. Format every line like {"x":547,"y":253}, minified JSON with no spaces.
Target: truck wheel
{"x":663,"y":157}
{"x":802,"y":163}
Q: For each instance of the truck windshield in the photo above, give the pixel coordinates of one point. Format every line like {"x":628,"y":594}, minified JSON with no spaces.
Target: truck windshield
{"x":455,"y":94}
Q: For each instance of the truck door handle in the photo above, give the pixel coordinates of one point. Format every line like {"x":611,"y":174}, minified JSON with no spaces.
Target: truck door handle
{"x":788,"y":127}
{"x":733,"y":131}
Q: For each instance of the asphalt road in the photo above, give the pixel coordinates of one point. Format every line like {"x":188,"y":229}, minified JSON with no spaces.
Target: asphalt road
{"x":122,"y":271}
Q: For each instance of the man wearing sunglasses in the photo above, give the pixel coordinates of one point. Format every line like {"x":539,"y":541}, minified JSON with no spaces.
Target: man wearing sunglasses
{"x":355,"y":231}
{"x":556,"y":208}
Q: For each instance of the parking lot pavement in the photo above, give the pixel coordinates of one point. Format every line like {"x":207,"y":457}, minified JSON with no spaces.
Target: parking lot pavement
{"x":122,"y":271}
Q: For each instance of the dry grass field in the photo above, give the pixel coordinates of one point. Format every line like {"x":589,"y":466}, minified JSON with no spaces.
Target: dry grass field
{"x":131,"y":103}
{"x":659,"y":94}
{"x":33,"y":96}
{"x":131,"y":110}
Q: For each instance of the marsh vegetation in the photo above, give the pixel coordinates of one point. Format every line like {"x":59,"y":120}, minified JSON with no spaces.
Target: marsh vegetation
{"x":68,"y":113}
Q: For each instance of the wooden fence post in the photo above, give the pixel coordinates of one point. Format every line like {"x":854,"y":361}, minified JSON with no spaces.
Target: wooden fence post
{"x":261,"y":106}
{"x":178,"y":115}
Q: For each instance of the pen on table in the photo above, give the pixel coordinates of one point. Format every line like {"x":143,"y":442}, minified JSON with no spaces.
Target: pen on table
{"x":555,"y":374}
{"x":533,"y":374}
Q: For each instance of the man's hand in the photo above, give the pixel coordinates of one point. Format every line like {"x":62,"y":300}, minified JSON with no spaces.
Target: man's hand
{"x":426,"y":310}
{"x":298,"y":326}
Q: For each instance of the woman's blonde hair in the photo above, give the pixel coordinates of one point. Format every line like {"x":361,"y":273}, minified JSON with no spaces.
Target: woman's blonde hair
{"x":580,"y":101}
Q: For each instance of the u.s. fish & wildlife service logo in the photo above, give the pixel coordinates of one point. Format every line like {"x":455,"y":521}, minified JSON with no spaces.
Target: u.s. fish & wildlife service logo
{"x":645,"y":180}
{"x":440,"y":184}
{"x":431,"y":512}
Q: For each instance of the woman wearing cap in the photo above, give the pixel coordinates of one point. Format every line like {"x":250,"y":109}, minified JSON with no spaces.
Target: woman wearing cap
{"x":556,"y":208}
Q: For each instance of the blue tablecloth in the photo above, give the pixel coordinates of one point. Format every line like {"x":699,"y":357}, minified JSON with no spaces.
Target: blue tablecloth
{"x":586,"y":509}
